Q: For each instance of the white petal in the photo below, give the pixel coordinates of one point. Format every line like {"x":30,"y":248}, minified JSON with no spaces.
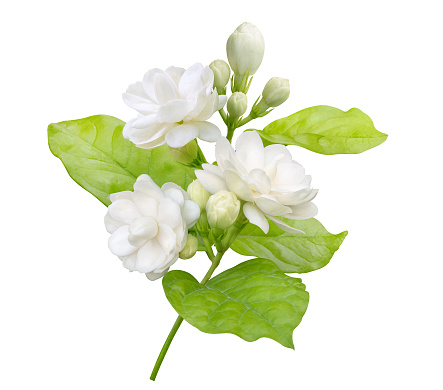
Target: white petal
{"x":250,"y":151}
{"x":136,"y":241}
{"x":142,"y":106}
{"x":190,"y":80}
{"x":260,"y":180}
{"x":170,"y":185}
{"x":271,"y":207}
{"x":210,"y":182}
{"x":293,"y":198}
{"x":123,"y":210}
{"x":111,"y":224}
{"x":148,"y":83}
{"x":145,"y":227}
{"x":288,"y":175}
{"x":120,"y":195}
{"x":208,"y":79}
{"x":238,"y":186}
{"x":118,"y":242}
{"x":190,"y":213}
{"x":136,"y":98}
{"x":129,"y":261}
{"x":181,"y":135}
{"x":222,"y":99}
{"x":167,"y":239}
{"x":206,"y":106}
{"x":213,"y":169}
{"x":223,"y":151}
{"x":256,"y":217}
{"x":156,"y":275}
{"x":150,"y":189}
{"x":137,"y":90}
{"x":147,"y":205}
{"x":145,"y":129}
{"x":173,"y":111}
{"x":207,"y":131}
{"x":176,"y":195}
{"x":169,"y":212}
{"x":152,"y":144}
{"x":145,"y":177}
{"x":303,"y":211}
{"x":150,"y":256}
{"x":278,"y":153}
{"x":164,"y":88}
{"x":181,"y":232}
{"x":284,"y":226}
{"x":175,"y":73}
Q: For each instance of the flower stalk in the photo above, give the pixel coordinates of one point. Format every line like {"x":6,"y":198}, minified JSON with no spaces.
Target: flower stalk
{"x":222,"y":246}
{"x":215,"y":260}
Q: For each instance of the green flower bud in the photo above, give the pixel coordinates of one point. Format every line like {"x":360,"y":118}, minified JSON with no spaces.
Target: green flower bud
{"x":237,"y":104}
{"x":245,"y":49}
{"x":276,"y":91}
{"x":222,"y":73}
{"x":222,"y":209}
{"x":190,"y":248}
{"x":198,"y":194}
{"x":186,"y":154}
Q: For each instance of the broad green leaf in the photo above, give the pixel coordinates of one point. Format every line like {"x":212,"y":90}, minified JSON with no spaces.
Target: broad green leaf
{"x":252,"y":300}
{"x":291,"y":252}
{"x":99,"y":159}
{"x":325,"y":130}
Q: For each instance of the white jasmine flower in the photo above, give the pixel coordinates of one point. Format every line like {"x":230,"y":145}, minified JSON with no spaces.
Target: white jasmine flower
{"x":267,"y":179}
{"x":149,"y":226}
{"x":173,"y":107}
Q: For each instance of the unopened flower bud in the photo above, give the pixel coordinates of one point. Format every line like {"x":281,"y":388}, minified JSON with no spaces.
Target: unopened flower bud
{"x":198,"y":194}
{"x":221,"y":71}
{"x":222,"y":209}
{"x":186,"y":154}
{"x":237,"y":104}
{"x":190,"y":248}
{"x":245,"y":49}
{"x":276,"y":91}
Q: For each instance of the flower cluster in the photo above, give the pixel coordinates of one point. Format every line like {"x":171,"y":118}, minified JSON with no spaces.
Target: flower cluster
{"x":150,"y":225}
{"x":246,"y":200}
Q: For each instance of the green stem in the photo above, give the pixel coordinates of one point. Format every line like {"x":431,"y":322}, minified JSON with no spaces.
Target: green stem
{"x":245,"y":120}
{"x":215,"y":262}
{"x":165,"y":348}
{"x":231,"y":129}
{"x":223,"y":115}
{"x":208,"y":249}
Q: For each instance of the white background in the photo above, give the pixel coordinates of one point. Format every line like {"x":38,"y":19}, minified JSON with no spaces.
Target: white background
{"x":74,"y":318}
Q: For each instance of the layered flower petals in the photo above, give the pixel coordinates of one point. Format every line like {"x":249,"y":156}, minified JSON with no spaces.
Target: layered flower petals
{"x":266,"y":178}
{"x":173,"y":107}
{"x":149,"y":226}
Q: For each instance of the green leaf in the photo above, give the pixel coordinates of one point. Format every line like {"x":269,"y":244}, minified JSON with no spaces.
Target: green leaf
{"x":99,"y":159}
{"x":252,"y":300}
{"x":291,"y":252}
{"x":325,"y":130}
